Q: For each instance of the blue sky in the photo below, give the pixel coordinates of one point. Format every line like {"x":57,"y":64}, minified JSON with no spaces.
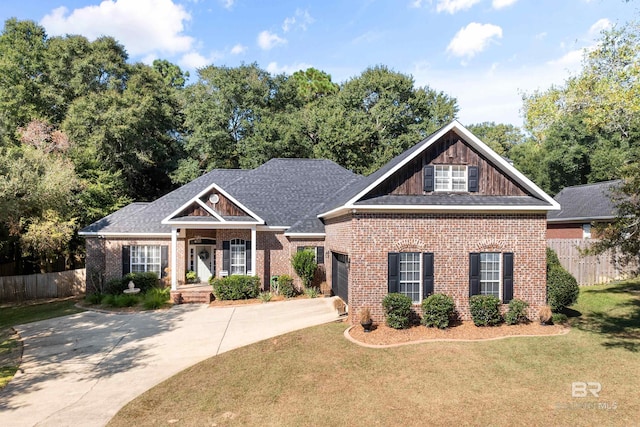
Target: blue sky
{"x":485,"y":53}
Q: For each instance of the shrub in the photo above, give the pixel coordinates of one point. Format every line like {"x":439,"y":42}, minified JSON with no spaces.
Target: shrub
{"x":191,"y":276}
{"x":265,"y":296}
{"x":552,"y":259}
{"x":544,"y":314}
{"x":285,"y":286}
{"x":485,"y":310}
{"x":304,"y":264}
{"x":562,"y":288}
{"x":125,"y":300}
{"x":114,"y":287}
{"x":437,"y":310}
{"x":236,"y":287}
{"x":143,"y":281}
{"x":108,"y":299}
{"x":517,"y":312}
{"x":94,"y":298}
{"x":156,"y":298}
{"x":559,"y":318}
{"x":397,"y":308}
{"x":312,"y":292}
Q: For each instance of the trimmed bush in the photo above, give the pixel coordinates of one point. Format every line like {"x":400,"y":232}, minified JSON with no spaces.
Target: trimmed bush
{"x":265,"y":296}
{"x":552,"y":259}
{"x":437,"y":310}
{"x":108,"y":299}
{"x":155,"y":298}
{"x":285,"y":286}
{"x":114,"y":287}
{"x":94,"y":298}
{"x":143,"y":281}
{"x":236,"y":287}
{"x":397,"y":308}
{"x":562,"y":289}
{"x":517,"y":312}
{"x":485,"y":310}
{"x":304,"y":264}
{"x":559,"y":318}
{"x":125,"y":300}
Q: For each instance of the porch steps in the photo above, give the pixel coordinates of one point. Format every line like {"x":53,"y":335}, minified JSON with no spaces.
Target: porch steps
{"x":197,"y":294}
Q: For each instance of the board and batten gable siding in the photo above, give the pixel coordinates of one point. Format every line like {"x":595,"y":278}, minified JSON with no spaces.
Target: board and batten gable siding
{"x":224,"y":207}
{"x":449,"y":150}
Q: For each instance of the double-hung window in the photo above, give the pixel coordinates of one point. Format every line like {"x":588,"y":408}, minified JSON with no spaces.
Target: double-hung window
{"x":145,"y":258}
{"x":491,"y":273}
{"x":238,"y":257}
{"x":450,"y":178}
{"x":411,"y":274}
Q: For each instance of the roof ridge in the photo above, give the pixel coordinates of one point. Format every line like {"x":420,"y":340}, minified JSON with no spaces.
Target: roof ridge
{"x":590,"y":184}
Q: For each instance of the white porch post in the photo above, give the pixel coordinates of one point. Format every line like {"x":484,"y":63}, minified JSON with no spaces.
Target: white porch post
{"x":253,"y":250}
{"x":174,"y":259}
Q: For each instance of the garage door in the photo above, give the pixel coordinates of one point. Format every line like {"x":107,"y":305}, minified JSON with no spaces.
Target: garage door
{"x":340,"y":276}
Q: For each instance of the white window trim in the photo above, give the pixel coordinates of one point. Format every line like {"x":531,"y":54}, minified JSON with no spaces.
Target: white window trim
{"x":420,"y":276}
{"x":450,"y":178}
{"x":146,"y":264}
{"x":500,"y":256}
{"x":236,"y":244}
{"x":586,"y":231}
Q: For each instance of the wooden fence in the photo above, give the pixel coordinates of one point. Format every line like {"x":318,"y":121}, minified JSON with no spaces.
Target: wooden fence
{"x":47,"y":285}
{"x":588,"y":270}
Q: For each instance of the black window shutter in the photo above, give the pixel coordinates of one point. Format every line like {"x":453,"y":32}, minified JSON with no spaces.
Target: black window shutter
{"x":472,"y":179}
{"x":248,"y":254}
{"x":429,"y":179}
{"x":320,"y":255}
{"x":126,"y":260}
{"x":226,"y":256}
{"x":474,"y":273}
{"x":164,"y":260}
{"x":507,"y":277}
{"x":427,"y":274}
{"x":394,"y":271}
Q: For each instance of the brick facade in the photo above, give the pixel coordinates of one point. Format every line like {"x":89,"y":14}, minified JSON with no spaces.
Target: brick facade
{"x":565,"y":231}
{"x":451,"y":237}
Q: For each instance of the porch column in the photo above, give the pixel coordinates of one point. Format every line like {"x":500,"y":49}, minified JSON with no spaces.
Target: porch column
{"x":253,"y":250}
{"x":174,"y":259}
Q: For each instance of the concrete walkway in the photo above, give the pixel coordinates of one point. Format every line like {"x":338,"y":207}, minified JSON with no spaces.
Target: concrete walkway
{"x":79,"y":370}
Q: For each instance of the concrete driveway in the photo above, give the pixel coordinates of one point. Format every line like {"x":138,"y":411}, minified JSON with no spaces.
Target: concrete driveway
{"x":79,"y":370}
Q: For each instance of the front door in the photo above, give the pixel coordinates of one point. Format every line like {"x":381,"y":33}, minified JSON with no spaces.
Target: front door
{"x":205,"y":266}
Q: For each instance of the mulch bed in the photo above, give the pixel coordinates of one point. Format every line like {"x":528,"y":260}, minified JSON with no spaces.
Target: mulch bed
{"x":274,"y":298}
{"x":463,"y":331}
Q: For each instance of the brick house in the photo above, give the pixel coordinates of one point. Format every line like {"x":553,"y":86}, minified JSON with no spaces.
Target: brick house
{"x":448,"y":215}
{"x":582,"y":205}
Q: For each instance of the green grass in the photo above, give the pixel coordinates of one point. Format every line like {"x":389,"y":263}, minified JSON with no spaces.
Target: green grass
{"x":20,"y":314}
{"x":316,"y":377}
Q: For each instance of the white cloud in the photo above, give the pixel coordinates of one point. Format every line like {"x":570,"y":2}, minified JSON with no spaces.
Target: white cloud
{"x":300,"y":20}
{"x":228,"y":4}
{"x":194,"y":60}
{"x":238,"y":49}
{"x":473,"y":39}
{"x":368,"y":37}
{"x":416,"y":4}
{"x":453,"y":6}
{"x":599,"y":26}
{"x":499,"y":4}
{"x":268,"y":40}
{"x":569,"y":60}
{"x":493,"y":94}
{"x":142,"y":26}
{"x":541,"y":35}
{"x":274,"y":68}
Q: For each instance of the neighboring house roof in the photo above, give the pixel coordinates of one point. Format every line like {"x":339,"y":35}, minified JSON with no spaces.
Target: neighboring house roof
{"x":353,"y":197}
{"x":295,"y":194}
{"x":585,"y":203}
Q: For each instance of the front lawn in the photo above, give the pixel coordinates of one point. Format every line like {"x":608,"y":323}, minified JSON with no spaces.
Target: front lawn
{"x":316,"y":377}
{"x":10,"y":351}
